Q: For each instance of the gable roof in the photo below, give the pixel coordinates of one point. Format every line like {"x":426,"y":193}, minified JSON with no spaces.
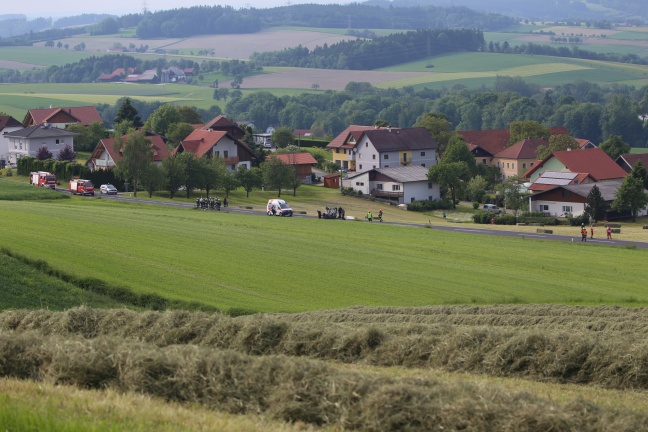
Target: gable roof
{"x":8,"y":121}
{"x":400,"y":139}
{"x":200,"y":141}
{"x":551,"y":179}
{"x":40,"y":131}
{"x":593,"y":161}
{"x":525,"y":149}
{"x":354,"y":130}
{"x":83,"y":114}
{"x":158,"y":144}
{"x":401,"y":174}
{"x":303,"y":158}
{"x":220,"y":122}
{"x":631,"y":159}
{"x":494,"y":141}
{"x":608,"y":189}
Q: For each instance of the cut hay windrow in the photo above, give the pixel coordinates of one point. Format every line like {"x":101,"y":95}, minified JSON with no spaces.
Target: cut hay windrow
{"x":295,"y":389}
{"x":584,"y":356}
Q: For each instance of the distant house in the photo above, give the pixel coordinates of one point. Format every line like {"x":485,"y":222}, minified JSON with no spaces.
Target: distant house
{"x":7,"y":124}
{"x":107,"y":152}
{"x":628,"y":161}
{"x":593,"y":162}
{"x":189,"y":72}
{"x":217,"y":144}
{"x":303,"y":163}
{"x":116,"y":75}
{"x":27,"y":141}
{"x":223,"y":124}
{"x":585,"y":144}
{"x":485,"y":144}
{"x":172,"y":75}
{"x":149,"y":76}
{"x":62,"y":116}
{"x":403,"y":184}
{"x":518,"y":158}
{"x":263,"y":139}
{"x":571,"y":199}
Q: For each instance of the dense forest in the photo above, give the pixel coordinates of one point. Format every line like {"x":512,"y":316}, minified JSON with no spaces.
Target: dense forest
{"x":376,"y":53}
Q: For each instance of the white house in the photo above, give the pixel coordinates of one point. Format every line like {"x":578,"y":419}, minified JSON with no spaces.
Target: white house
{"x":27,"y":141}
{"x":404,"y":184}
{"x":7,"y":124}
{"x":388,"y":148}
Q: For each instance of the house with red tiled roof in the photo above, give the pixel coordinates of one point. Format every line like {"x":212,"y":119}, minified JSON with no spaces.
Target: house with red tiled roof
{"x":628,"y":161}
{"x":517,"y":159}
{"x":62,"y":116}
{"x":342,"y":146}
{"x":7,"y":124}
{"x":217,"y":144}
{"x":107,"y":152}
{"x":485,"y":144}
{"x":551,"y":179}
{"x":116,"y":75}
{"x":593,"y":162}
{"x":222,"y":123}
{"x":584,"y":144}
{"x":303,"y":163}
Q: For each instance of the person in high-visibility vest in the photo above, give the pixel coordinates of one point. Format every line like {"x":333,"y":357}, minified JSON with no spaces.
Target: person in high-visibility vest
{"x":583,"y":233}
{"x":369,"y":216}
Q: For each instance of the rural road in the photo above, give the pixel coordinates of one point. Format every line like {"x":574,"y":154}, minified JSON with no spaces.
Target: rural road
{"x":459,"y":229}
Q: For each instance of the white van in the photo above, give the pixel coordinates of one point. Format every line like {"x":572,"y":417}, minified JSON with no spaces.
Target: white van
{"x":281,"y":208}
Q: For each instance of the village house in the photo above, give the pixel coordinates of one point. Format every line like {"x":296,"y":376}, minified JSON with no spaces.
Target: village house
{"x":404,"y":184}
{"x":108,"y":152}
{"x":628,"y":161}
{"x":302,"y":162}
{"x":518,"y":158}
{"x":7,"y":124}
{"x":342,"y":145}
{"x":217,"y":144}
{"x":27,"y":141}
{"x":223,"y":124}
{"x":62,"y":116}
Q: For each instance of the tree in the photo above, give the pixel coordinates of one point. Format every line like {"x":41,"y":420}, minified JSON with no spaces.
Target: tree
{"x":614,"y":146}
{"x":639,"y":171}
{"x":89,"y":136}
{"x":179,"y":131}
{"x":212,"y":173}
{"x":276,"y":174}
{"x":523,"y":129}
{"x":137,"y":156}
{"x":514,"y":198}
{"x":192,"y":172}
{"x":189,"y":115}
{"x":452,"y":176}
{"x":123,"y":128}
{"x":249,"y":178}
{"x":173,"y":170}
{"x":457,"y":151}
{"x":630,"y":196}
{"x":282,"y":137}
{"x":66,"y":154}
{"x":295,"y":181}
{"x":439,"y":127}
{"x":476,"y":188}
{"x":43,"y":153}
{"x":596,"y":207}
{"x":127,"y":112}
{"x":559,"y":142}
{"x":154,"y":179}
{"x":162,"y":118}
{"x":229,"y":182}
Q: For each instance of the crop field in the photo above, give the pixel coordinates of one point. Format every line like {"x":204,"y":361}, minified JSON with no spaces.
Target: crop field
{"x":522,"y":368}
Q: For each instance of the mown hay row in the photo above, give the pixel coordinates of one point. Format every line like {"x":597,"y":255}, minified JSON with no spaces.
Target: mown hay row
{"x":613,"y":360}
{"x":293,"y":389}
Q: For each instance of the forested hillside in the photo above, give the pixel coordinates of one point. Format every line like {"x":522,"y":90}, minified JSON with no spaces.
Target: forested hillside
{"x":380,"y":52}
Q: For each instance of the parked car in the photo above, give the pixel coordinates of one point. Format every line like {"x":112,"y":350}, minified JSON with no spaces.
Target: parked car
{"x":492,"y":208}
{"x":108,"y":189}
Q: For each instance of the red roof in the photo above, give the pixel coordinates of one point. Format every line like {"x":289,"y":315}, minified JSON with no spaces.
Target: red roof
{"x":593,"y":161}
{"x":632,"y":159}
{"x":525,"y":149}
{"x":201,"y":140}
{"x":495,"y":140}
{"x":353,"y":130}
{"x":84,"y":114}
{"x":160,"y":149}
{"x":8,"y":121}
{"x":220,"y":121}
{"x":303,"y":158}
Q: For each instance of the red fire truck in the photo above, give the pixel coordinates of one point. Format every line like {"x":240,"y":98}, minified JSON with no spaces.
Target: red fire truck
{"x":43,"y":179}
{"x":81,"y":187}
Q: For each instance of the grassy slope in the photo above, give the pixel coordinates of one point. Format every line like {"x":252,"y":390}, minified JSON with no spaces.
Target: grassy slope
{"x":282,"y":264}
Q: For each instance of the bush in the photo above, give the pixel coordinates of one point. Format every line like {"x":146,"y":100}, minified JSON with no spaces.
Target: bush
{"x":486,"y":218}
{"x":533,"y":218}
{"x":578,"y":220}
{"x":475,"y":205}
{"x":7,"y":172}
{"x":427,"y":205}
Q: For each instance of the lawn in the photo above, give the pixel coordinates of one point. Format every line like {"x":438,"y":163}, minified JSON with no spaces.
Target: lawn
{"x":292,"y":264}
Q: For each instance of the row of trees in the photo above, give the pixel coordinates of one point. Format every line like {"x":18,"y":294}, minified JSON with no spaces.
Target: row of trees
{"x":380,"y":52}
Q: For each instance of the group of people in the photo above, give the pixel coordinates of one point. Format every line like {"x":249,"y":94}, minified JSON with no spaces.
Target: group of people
{"x":608,"y":231}
{"x":370,"y":216}
{"x":210,"y":203}
{"x":331,"y":213}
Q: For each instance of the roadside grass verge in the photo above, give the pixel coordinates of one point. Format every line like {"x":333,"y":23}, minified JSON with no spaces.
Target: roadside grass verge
{"x":227,"y":260}
{"x":18,"y":191}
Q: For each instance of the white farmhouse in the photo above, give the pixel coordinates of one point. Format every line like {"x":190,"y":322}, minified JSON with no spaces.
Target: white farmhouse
{"x":27,"y":141}
{"x":404,"y":184}
{"x":7,"y":124}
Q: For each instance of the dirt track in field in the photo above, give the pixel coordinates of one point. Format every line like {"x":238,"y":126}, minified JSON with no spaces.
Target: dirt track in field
{"x":8,"y":64}
{"x":586,"y":41}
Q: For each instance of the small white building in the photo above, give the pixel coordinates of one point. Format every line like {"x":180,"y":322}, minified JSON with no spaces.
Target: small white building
{"x":404,"y":184}
{"x":27,"y":141}
{"x":7,"y":124}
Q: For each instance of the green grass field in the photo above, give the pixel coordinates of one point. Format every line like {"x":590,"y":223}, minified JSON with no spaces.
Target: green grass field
{"x":283,"y":264}
{"x":14,"y":191}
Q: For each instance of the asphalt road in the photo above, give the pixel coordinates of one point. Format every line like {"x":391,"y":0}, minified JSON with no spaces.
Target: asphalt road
{"x":459,"y":229}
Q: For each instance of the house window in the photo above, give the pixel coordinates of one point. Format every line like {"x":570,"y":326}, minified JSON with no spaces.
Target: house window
{"x":423,"y":165}
{"x":217,"y":153}
{"x":543,"y":207}
{"x":513,"y":165}
{"x":484,"y":161}
{"x":396,"y":187}
{"x":567,"y":209}
{"x":523,"y":165}
{"x":530,"y":164}
{"x":404,"y":157}
{"x":225,"y":153}
{"x":430,"y":185}
{"x":498,"y":165}
{"x":373,"y":156}
{"x":359,"y":183}
{"x":366,"y":144}
{"x":337,"y":150}
{"x":57,"y":141}
{"x":360,"y":166}
{"x":507,"y":164}
{"x":412,"y":199}
{"x":386,"y":157}
{"x":386,"y":166}
{"x":422,"y":154}
{"x":379,"y":186}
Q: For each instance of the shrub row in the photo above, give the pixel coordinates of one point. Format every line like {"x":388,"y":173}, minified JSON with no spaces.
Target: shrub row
{"x":487,"y":218}
{"x":297,"y":390}
{"x":544,"y":220}
{"x":428,"y":205}
{"x":117,"y":293}
{"x":583,"y":356}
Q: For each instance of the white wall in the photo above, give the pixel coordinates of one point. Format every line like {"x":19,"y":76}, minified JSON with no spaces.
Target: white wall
{"x":422,"y":190}
{"x":19,"y":147}
{"x":367,"y":157}
{"x":4,"y":142}
{"x":556,"y":208}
